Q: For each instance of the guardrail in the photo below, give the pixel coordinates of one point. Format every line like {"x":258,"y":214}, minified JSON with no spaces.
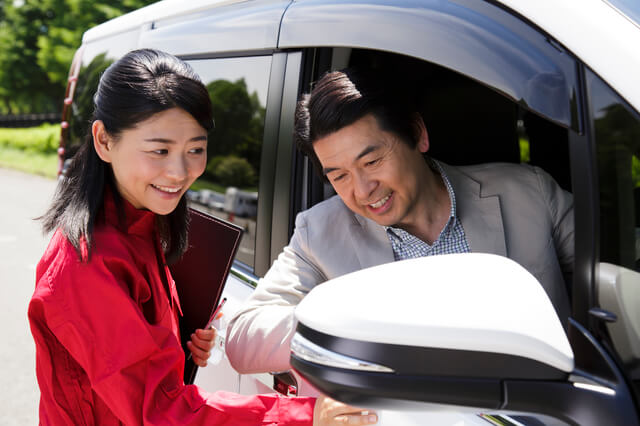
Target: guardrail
{"x":29,"y":120}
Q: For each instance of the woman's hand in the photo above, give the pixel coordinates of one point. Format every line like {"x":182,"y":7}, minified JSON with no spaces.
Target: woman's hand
{"x":201,"y":344}
{"x":331,"y":412}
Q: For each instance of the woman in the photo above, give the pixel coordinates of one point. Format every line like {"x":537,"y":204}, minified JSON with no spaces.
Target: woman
{"x":104,"y":314}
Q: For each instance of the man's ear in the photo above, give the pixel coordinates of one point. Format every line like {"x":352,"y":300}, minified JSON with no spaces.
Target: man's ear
{"x":421,"y":133}
{"x":101,"y":141}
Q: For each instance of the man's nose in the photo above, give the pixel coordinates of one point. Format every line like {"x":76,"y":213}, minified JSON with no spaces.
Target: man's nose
{"x":364,"y":186}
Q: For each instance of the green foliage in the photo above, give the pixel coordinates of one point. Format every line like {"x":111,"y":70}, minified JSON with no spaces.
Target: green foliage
{"x":206,"y":184}
{"x":239,"y":119}
{"x":213,"y":164}
{"x":635,"y":171}
{"x":524,"y":151}
{"x":24,"y":87}
{"x":29,"y":162}
{"x":38,"y":39}
{"x":234,"y":171}
{"x":42,"y":139}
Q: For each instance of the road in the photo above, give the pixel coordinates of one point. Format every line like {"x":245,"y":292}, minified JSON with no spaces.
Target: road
{"x":22,"y":198}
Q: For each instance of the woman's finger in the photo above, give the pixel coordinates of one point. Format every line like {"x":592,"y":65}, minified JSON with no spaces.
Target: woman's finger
{"x":356,"y":419}
{"x":203,"y":340}
{"x":328,"y":412}
{"x":198,"y":353}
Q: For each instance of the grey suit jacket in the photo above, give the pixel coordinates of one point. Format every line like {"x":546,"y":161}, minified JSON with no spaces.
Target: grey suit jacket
{"x":511,"y":210}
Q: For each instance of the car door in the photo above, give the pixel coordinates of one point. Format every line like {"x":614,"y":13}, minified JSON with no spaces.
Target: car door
{"x":497,"y":88}
{"x":615,"y":311}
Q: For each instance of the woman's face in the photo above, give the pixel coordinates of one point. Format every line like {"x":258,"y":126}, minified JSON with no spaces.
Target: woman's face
{"x":157,"y":161}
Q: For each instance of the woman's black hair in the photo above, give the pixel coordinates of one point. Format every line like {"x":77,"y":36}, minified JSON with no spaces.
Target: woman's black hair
{"x":142,"y":83}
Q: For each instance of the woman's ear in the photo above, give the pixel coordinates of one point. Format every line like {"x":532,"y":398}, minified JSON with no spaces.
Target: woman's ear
{"x":421,"y":133}
{"x":101,"y":141}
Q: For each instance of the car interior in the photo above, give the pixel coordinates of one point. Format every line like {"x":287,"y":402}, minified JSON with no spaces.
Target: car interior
{"x":468,"y":122}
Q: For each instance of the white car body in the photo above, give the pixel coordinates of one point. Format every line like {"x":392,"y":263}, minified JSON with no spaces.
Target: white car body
{"x":592,"y":33}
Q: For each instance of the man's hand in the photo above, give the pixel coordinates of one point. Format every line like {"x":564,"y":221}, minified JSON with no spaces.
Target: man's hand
{"x":329,"y":412}
{"x":201,"y":344}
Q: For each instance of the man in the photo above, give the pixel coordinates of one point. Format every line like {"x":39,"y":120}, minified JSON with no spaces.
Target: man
{"x":393,"y":203}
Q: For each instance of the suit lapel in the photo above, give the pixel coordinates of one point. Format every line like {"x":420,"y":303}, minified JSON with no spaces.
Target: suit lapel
{"x":370,"y":242}
{"x":479,"y":213}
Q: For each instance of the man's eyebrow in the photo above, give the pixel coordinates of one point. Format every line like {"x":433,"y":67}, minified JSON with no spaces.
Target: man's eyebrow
{"x":164,"y":140}
{"x":369,"y":149}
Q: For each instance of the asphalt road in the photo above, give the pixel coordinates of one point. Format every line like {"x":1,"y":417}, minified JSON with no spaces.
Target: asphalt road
{"x":22,"y":198}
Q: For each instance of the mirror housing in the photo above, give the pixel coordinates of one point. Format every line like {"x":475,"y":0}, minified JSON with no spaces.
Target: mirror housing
{"x":443,"y":329}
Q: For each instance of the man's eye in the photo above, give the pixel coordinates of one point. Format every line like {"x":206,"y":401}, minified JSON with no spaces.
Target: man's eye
{"x":160,"y":151}
{"x":338,"y":178}
{"x":372,"y":162}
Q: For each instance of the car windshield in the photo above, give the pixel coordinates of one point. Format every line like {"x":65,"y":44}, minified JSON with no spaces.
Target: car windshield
{"x":629,"y":8}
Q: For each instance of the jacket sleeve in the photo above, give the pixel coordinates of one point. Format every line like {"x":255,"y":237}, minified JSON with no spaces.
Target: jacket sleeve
{"x":136,"y":366}
{"x":267,"y":316}
{"x":560,"y":205}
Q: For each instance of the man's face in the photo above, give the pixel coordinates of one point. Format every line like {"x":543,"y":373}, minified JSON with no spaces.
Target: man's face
{"x":376,"y":174}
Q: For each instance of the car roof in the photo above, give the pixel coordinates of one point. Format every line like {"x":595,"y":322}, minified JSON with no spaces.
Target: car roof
{"x":599,"y":34}
{"x":149,"y":14}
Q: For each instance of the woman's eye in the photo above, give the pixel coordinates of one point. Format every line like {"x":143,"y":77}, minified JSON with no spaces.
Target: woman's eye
{"x":197,"y":150}
{"x":160,"y":151}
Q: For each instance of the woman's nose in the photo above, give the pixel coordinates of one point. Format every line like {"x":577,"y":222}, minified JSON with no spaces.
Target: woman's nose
{"x":177,"y":168}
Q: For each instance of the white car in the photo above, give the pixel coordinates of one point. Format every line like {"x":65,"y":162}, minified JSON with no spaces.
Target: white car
{"x":552,"y":83}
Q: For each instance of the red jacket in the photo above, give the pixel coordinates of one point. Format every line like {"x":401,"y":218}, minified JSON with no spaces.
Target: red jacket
{"x":107,"y":339}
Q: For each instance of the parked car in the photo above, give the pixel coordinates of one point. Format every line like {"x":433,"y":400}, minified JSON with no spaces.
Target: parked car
{"x":241,"y":203}
{"x":212,"y":199}
{"x":193,"y":195}
{"x":552,"y":83}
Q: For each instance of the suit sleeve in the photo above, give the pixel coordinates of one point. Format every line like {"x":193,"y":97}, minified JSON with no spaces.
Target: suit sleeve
{"x":135,"y":366}
{"x":260,"y":333}
{"x":560,"y":205}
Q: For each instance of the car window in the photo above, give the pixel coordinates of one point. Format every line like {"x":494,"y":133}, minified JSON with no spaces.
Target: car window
{"x":229,"y":187}
{"x":617,"y":137}
{"x":468,"y":121}
{"x":82,"y":107}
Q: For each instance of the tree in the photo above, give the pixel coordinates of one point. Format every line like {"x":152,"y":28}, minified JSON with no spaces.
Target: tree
{"x":37,"y":41}
{"x":239,"y":119}
{"x":233,"y":171}
{"x":23,"y":86}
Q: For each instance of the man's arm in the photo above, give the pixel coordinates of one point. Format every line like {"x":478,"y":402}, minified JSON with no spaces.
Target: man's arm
{"x":560,"y":205}
{"x":259,"y":335}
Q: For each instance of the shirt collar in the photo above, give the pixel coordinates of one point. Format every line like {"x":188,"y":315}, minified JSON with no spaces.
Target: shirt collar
{"x":403,"y":235}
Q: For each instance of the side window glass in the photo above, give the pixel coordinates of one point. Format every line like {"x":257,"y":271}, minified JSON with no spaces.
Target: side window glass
{"x":617,"y":137}
{"x":229,"y":187}
{"x":469,"y":122}
{"x":82,"y":106}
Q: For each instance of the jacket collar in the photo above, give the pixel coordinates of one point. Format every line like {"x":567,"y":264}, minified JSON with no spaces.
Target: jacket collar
{"x":479,"y":213}
{"x":124,"y":216}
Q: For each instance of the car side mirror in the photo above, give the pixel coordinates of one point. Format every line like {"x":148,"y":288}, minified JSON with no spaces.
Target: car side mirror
{"x":443,"y":329}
